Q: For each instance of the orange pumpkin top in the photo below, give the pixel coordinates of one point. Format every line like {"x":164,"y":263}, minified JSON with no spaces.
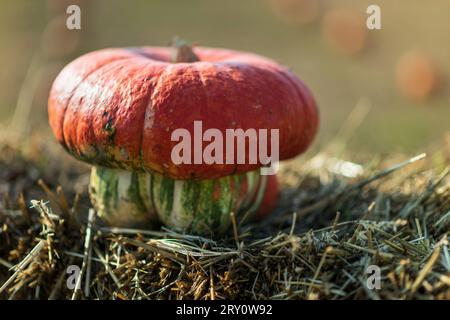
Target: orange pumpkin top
{"x":118,"y":107}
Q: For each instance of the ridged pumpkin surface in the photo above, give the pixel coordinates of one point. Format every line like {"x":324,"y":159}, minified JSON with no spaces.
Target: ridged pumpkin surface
{"x":117,"y":108}
{"x":129,"y":199}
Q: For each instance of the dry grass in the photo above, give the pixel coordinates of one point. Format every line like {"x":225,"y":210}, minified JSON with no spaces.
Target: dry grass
{"x":326,"y":231}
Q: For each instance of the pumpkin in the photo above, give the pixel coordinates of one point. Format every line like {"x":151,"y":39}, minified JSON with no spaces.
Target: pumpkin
{"x":203,"y":206}
{"x":269,"y":199}
{"x":117,"y":108}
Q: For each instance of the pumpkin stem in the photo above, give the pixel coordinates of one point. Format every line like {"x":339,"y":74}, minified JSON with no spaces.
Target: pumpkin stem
{"x":182,"y":52}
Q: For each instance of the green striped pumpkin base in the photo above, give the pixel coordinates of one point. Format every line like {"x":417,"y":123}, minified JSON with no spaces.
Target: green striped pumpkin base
{"x":131,"y":199}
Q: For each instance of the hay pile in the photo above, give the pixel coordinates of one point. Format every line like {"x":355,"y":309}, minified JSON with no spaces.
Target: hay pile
{"x":326,"y":231}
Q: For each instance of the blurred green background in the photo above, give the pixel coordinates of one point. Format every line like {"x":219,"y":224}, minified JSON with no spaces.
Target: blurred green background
{"x":35,"y":45}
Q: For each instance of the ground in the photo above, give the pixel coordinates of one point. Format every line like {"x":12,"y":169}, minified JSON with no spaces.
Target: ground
{"x":318,"y":244}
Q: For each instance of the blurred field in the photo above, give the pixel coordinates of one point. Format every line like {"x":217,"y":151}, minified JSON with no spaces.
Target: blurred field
{"x":33,"y":33}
